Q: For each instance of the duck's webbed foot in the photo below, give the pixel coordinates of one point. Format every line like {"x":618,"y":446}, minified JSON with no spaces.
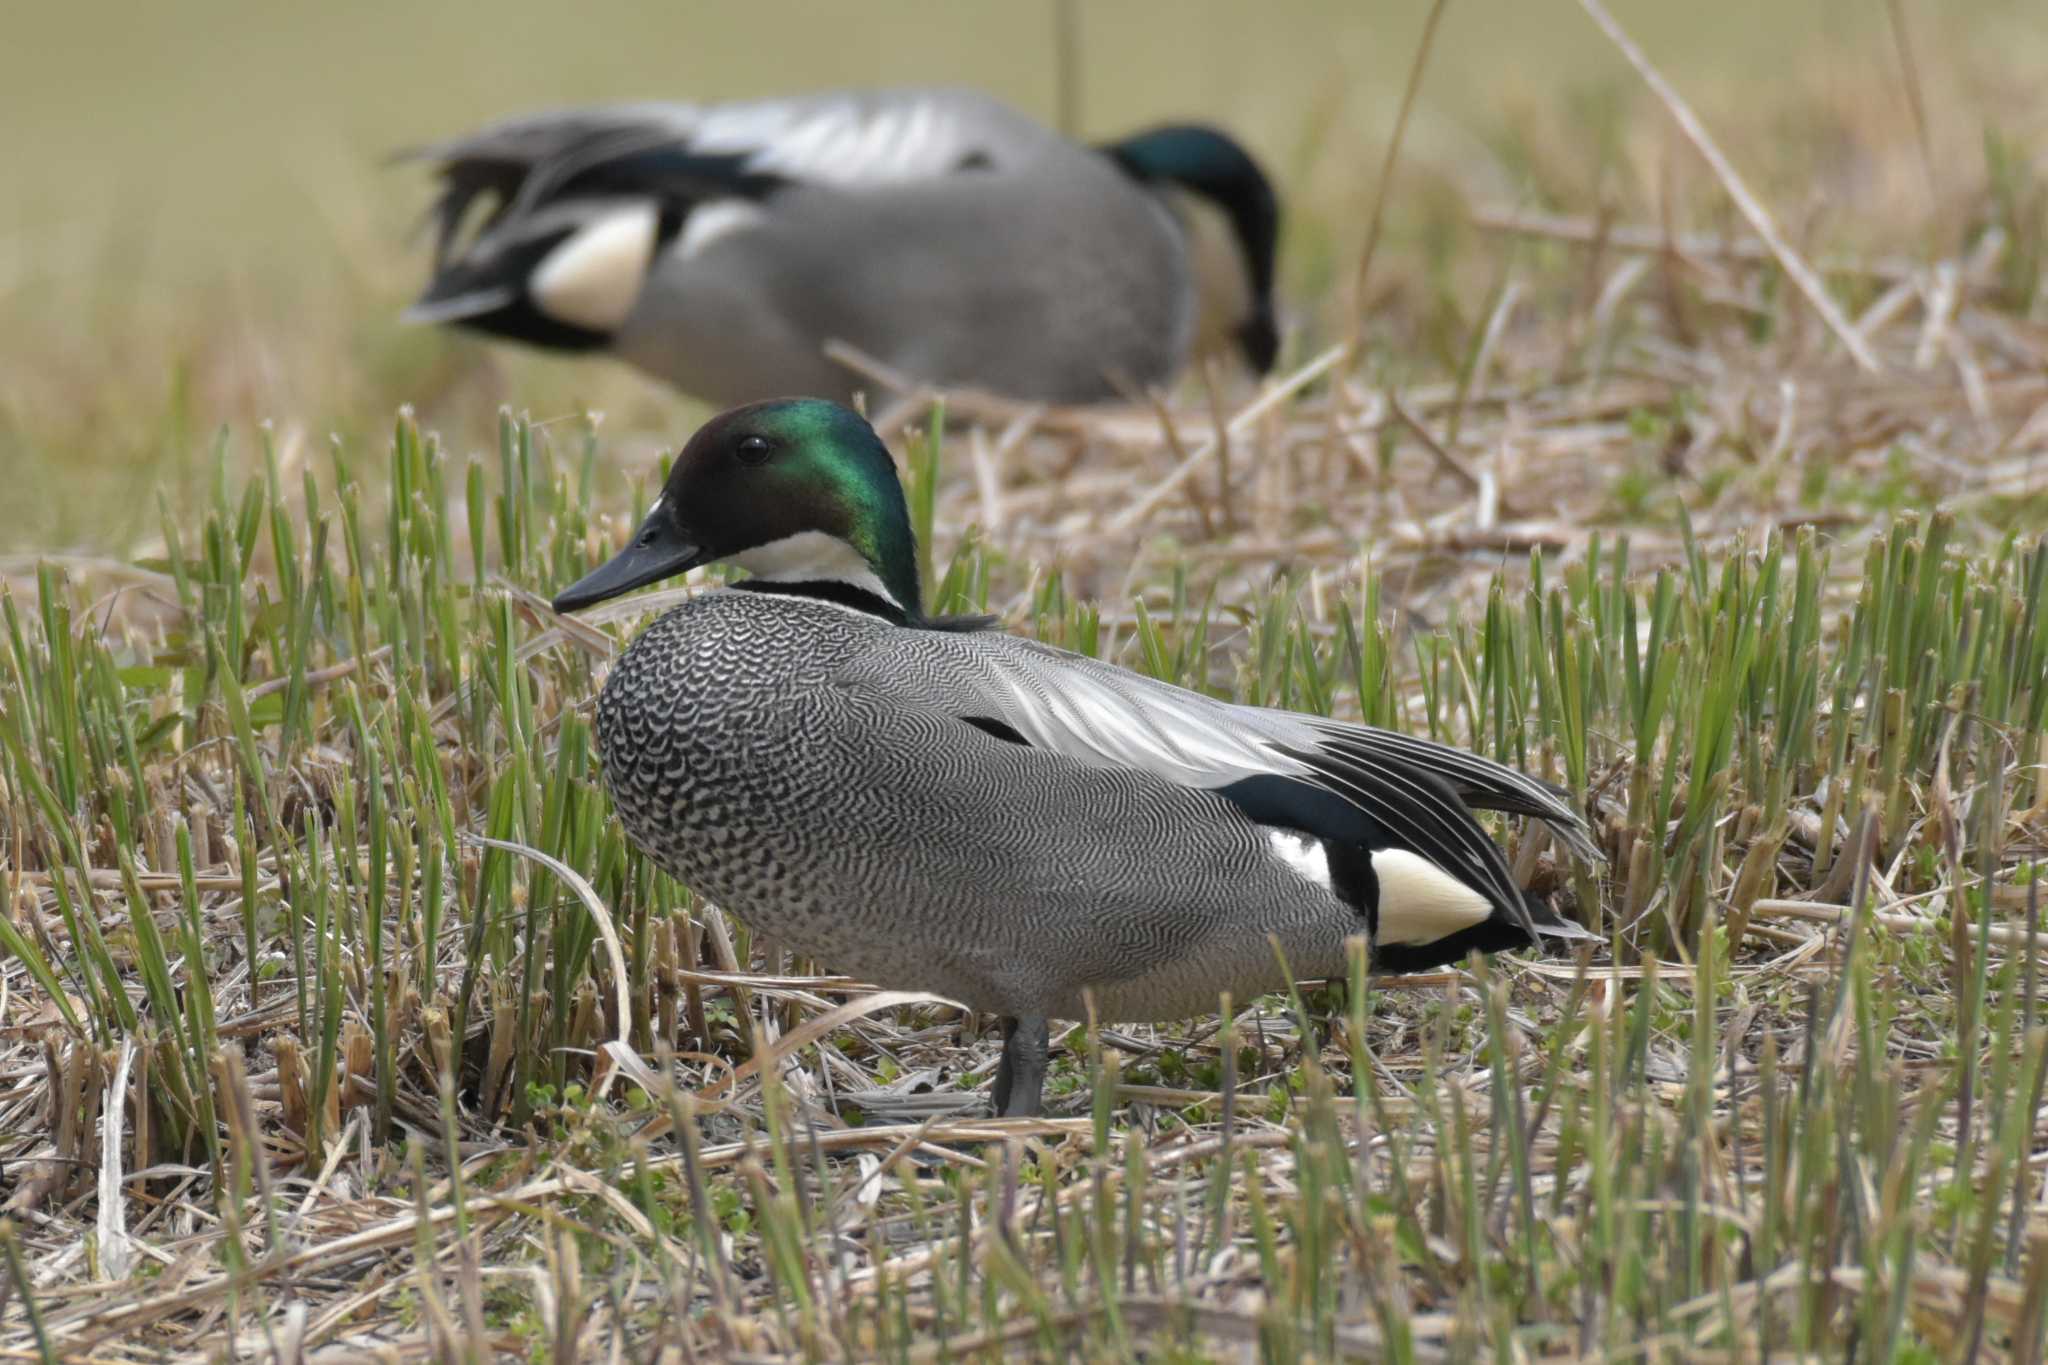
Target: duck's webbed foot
{"x":1020,"y":1078}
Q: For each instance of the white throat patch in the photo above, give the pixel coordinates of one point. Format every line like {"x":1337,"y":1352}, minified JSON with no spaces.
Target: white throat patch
{"x":593,"y":278}
{"x":812,"y":557}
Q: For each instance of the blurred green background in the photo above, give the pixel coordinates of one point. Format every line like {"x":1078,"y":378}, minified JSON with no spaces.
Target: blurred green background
{"x":198,"y":226}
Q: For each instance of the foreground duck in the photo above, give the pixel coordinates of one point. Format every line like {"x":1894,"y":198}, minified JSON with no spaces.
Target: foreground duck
{"x":720,"y":247}
{"x":934,"y":805}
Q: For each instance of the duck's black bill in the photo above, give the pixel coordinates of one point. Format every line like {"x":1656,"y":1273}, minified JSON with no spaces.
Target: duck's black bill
{"x":651,"y":557}
{"x":1260,"y":341}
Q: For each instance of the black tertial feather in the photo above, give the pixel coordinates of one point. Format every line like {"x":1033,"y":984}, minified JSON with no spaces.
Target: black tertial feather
{"x":500,"y":279}
{"x":1420,"y":812}
{"x":1478,"y":783}
{"x":1289,"y":803}
{"x":988,"y":725}
{"x":1347,"y":834}
{"x":670,"y":172}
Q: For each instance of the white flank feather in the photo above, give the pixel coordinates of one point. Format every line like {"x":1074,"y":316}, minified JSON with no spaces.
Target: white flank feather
{"x":1306,"y":856}
{"x":720,"y":218}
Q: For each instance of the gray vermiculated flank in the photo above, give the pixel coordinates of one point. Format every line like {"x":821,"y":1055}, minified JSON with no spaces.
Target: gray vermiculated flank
{"x":887,"y":837}
{"x":1086,"y":270}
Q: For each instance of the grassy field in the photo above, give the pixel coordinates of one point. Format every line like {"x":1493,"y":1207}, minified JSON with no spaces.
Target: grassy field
{"x":199,"y":228}
{"x":338,"y":1021}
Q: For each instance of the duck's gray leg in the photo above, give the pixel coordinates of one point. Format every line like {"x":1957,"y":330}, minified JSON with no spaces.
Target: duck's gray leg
{"x":1020,"y":1076}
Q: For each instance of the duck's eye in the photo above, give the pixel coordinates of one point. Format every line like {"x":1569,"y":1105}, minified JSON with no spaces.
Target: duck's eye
{"x":754,"y":449}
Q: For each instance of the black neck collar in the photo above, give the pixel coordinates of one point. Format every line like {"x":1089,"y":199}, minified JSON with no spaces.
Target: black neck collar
{"x":860,"y":599}
{"x":831,"y":590}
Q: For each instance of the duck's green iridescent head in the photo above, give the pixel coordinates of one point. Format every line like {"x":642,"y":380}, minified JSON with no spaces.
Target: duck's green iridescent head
{"x":797,"y":490}
{"x":1234,"y":275}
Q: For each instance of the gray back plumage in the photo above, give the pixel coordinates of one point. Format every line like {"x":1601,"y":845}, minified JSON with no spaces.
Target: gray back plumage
{"x":938,"y":231}
{"x":1413,"y":791}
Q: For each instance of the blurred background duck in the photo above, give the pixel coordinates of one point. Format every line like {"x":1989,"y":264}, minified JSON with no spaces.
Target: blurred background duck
{"x":939,"y":232}
{"x":936,"y":805}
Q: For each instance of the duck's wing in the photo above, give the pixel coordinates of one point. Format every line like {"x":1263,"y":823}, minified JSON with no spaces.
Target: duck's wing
{"x":1340,"y":781}
{"x":679,"y":155}
{"x":1479,"y":782}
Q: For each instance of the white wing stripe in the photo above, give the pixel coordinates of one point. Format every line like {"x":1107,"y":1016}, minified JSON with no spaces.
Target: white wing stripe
{"x":838,"y":144}
{"x":1109,"y":724}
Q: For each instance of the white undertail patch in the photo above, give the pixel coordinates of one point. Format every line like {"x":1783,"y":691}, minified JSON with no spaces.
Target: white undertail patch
{"x":814,"y":557}
{"x":1306,"y":856}
{"x":1420,"y":902}
{"x":593,"y":278}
